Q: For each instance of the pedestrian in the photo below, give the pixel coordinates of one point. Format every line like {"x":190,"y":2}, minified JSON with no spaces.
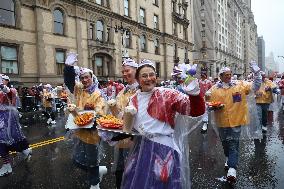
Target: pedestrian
{"x":233,"y":115}
{"x":281,"y":87}
{"x":117,"y":107}
{"x":11,"y":135}
{"x":48,"y":103}
{"x":155,"y":160}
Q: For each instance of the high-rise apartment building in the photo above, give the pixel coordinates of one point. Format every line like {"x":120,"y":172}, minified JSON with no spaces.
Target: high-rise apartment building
{"x":224,"y":35}
{"x":261,"y":52}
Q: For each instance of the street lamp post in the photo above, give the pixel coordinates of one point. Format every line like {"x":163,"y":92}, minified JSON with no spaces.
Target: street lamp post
{"x":123,"y":32}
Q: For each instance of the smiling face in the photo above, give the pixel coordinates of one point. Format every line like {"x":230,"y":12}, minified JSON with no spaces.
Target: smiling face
{"x":147,"y":79}
{"x":128,"y":74}
{"x":86,"y":79}
{"x":226,"y":77}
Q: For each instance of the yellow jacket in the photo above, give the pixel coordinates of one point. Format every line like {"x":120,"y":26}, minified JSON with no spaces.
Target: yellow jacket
{"x":235,"y":111}
{"x":45,"y":102}
{"x":94,"y":100}
{"x":262,"y":96}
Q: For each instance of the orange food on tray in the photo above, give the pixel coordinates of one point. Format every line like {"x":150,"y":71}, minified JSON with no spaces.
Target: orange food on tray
{"x":84,"y":119}
{"x":109,"y":121}
{"x":214,"y":104}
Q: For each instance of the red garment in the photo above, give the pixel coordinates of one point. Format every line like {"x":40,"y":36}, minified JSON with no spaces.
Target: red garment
{"x":118,"y":87}
{"x":204,"y":86}
{"x":8,"y":98}
{"x":281,"y":86}
{"x":165,"y":103}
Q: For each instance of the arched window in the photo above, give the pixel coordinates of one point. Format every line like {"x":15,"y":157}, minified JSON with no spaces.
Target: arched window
{"x":7,"y":12}
{"x":143,"y":43}
{"x":157,"y":46}
{"x":58,"y":18}
{"x":127,"y":39}
{"x":100,"y":30}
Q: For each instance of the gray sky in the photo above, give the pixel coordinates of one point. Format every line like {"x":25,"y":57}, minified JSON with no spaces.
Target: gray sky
{"x":269,"y":18}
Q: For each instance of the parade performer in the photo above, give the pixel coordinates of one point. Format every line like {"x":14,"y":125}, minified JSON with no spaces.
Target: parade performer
{"x":264,"y":98}
{"x":87,"y":96}
{"x":117,"y":107}
{"x":48,"y":104}
{"x":281,"y":87}
{"x":233,"y":115}
{"x":205,"y":84}
{"x":11,"y":135}
{"x":155,"y":159}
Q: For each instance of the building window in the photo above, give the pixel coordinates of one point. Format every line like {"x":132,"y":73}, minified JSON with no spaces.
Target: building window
{"x":142,"y":16}
{"x":143,"y":43}
{"x":58,"y":21}
{"x":60,"y":60}
{"x":202,"y":33}
{"x":157,"y":46}
{"x":185,"y":35}
{"x":174,"y":6}
{"x":126,"y":7}
{"x":185,"y":54}
{"x":108,"y":35}
{"x":127,"y":39}
{"x":175,"y":28}
{"x":99,"y":31}
{"x":158,"y":69}
{"x":202,"y":2}
{"x":99,"y":2}
{"x":156,"y":21}
{"x":9,"y":60}
{"x":175,"y":51}
{"x":7,"y":12}
{"x":156,"y":2}
{"x":91,"y":31}
{"x":99,"y":65}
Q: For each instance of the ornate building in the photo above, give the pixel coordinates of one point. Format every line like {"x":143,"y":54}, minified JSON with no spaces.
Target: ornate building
{"x":225,"y":34}
{"x":35,"y":36}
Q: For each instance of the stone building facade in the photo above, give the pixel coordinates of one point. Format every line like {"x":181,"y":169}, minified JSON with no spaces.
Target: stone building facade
{"x":225,"y":34}
{"x":36,"y":35}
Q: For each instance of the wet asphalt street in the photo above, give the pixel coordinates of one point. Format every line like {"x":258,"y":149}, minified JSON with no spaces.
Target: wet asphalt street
{"x":261,"y":163}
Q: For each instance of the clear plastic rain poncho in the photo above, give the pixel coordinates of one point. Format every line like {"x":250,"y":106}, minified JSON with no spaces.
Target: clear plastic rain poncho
{"x":251,"y":129}
{"x":159,"y":158}
{"x":10,"y":129}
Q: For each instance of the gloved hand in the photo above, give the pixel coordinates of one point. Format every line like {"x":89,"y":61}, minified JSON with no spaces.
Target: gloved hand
{"x":71,"y":59}
{"x":111,"y":102}
{"x":192,"y":70}
{"x":5,"y":89}
{"x":254,"y":67}
{"x":192,"y":88}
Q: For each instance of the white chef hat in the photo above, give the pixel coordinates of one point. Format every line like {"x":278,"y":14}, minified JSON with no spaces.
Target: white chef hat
{"x":129,"y":62}
{"x":147,"y":62}
{"x":71,"y":58}
{"x":48,"y":86}
{"x":224,"y":69}
{"x":5,"y":77}
{"x":85,"y":70}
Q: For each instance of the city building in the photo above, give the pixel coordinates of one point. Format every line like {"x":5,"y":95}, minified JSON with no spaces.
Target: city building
{"x":224,"y":35}
{"x":261,"y":52}
{"x":271,"y":66}
{"x":36,"y":35}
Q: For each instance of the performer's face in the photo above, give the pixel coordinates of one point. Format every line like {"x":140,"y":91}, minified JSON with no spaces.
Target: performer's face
{"x":226,"y":77}
{"x":147,"y":79}
{"x":128,"y":74}
{"x":86,"y":80}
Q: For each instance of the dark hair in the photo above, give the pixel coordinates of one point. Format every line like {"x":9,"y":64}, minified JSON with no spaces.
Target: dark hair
{"x":140,"y":68}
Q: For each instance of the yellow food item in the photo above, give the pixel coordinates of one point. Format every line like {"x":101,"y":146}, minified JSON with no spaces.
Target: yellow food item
{"x":110,"y":121}
{"x":84,"y":119}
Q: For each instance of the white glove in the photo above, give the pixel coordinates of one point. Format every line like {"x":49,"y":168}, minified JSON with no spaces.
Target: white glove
{"x":111,"y":102}
{"x":71,"y":107}
{"x":192,"y":88}
{"x":6,"y":89}
{"x":71,"y":59}
{"x":130,"y":109}
{"x":254,"y":67}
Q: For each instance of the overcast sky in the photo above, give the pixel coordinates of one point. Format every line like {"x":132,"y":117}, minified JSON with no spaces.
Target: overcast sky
{"x":269,"y":18}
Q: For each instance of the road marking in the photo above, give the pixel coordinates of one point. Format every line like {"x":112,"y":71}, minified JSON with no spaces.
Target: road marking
{"x":44,"y":143}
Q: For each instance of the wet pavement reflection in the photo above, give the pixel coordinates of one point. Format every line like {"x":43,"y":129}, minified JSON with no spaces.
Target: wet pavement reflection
{"x":261,"y":163}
